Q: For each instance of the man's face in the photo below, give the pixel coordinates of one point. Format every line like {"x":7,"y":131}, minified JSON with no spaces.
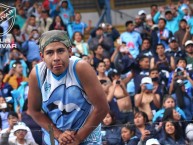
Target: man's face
{"x":12,"y":120}
{"x":160,"y":50}
{"x":19,"y":69}
{"x":183,"y":25}
{"x":145,"y":45}
{"x":173,"y":45}
{"x":161,"y":24}
{"x":56,"y":56}
{"x":189,"y":49}
{"x":154,"y":74}
{"x":182,"y":63}
{"x":130,"y":27}
{"x":168,"y":16}
{"x":144,"y":64}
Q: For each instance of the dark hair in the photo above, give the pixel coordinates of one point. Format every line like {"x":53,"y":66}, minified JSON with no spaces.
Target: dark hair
{"x":181,"y":58}
{"x":141,"y":58}
{"x":153,"y":5}
{"x":162,"y":20}
{"x":177,"y":129}
{"x":167,"y":96}
{"x":160,"y":44}
{"x":130,"y":127}
{"x":183,"y":20}
{"x":168,"y":114}
{"x":153,"y":69}
{"x":73,"y":37}
{"x":17,"y":27}
{"x":179,"y":95}
{"x":99,"y":63}
{"x":12,"y":113}
{"x":143,"y":114}
{"x":128,"y":22}
{"x":112,"y":114}
{"x":32,"y":16}
{"x":146,"y":39}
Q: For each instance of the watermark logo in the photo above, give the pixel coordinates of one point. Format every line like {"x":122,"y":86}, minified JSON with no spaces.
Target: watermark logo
{"x":7,"y":18}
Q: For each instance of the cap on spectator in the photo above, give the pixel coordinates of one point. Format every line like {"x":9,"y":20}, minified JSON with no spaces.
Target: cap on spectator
{"x":188,"y":42}
{"x":189,"y":132}
{"x":152,"y":141}
{"x":168,"y":10}
{"x":54,"y":36}
{"x":184,"y":6}
{"x":142,"y":12}
{"x":149,"y":17}
{"x":20,"y":126}
{"x":172,"y":39}
{"x":146,"y":80}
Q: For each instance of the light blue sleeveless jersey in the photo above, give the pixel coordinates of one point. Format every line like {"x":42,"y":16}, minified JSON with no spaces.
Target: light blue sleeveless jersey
{"x":64,"y":101}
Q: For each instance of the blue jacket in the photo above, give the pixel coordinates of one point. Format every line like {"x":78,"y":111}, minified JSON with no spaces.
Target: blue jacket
{"x":112,"y":135}
{"x":133,"y":141}
{"x":159,"y":114}
{"x":170,"y":141}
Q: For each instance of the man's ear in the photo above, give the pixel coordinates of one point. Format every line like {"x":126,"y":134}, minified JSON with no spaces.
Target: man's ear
{"x":70,"y":52}
{"x":42,"y":56}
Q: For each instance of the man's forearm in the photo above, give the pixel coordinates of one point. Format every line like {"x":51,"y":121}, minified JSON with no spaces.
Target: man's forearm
{"x":42,"y":120}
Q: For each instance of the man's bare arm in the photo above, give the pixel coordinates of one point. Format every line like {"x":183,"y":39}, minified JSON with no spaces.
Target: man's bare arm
{"x":35,"y":103}
{"x":96,"y":96}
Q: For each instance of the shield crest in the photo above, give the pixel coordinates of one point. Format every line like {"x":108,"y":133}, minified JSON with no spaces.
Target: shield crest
{"x":7,"y":18}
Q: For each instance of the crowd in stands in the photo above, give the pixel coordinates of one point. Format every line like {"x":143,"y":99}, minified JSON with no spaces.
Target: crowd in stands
{"x":146,"y":71}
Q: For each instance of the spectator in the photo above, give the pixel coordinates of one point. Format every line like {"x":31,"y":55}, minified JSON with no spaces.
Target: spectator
{"x":154,"y":9}
{"x":18,"y":36}
{"x":183,"y":34}
{"x":30,"y":25}
{"x":172,"y":136}
{"x":8,"y":134}
{"x":138,"y":71}
{"x":98,"y":55}
{"x":3,"y":113}
{"x":101,"y":72}
{"x":146,"y":48}
{"x":183,"y":99}
{"x":15,"y":76}
{"x":143,"y":129}
{"x":80,"y":44}
{"x":158,"y":83}
{"x":5,"y":91}
{"x":168,"y":102}
{"x":20,"y":18}
{"x":65,"y":10}
{"x":189,"y":54}
{"x":147,"y":100}
{"x":16,"y":55}
{"x":118,"y":91}
{"x":20,"y":131}
{"x":57,"y":24}
{"x":133,"y":39}
{"x":78,"y":26}
{"x":112,"y":132}
{"x":108,"y":65}
{"x":174,"y":49}
{"x":161,"y":61}
{"x":31,"y":46}
{"x":160,"y":35}
{"x":128,"y":135}
{"x":45,"y":21}
{"x":104,"y":41}
{"x":172,"y":19}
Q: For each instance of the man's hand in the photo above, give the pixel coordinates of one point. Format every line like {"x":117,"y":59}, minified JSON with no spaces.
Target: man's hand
{"x":67,"y":137}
